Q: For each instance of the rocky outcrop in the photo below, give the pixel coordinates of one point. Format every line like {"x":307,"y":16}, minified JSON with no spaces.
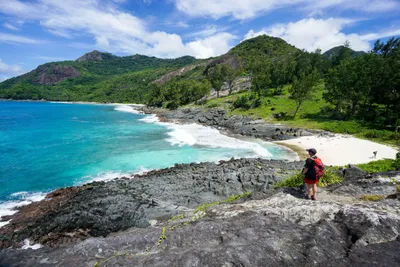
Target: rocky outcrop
{"x":100,"y":208}
{"x":167,"y":77}
{"x":92,"y":56}
{"x":270,"y":228}
{"x":243,"y":125}
{"x":51,"y":74}
{"x":278,"y":231}
{"x":231,"y":60}
{"x":240,"y":84}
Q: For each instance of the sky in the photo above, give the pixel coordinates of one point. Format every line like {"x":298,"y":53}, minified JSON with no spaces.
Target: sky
{"x":33,"y":32}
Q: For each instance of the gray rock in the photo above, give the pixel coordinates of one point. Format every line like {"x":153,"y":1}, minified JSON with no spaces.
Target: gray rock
{"x":242,"y":125}
{"x":99,"y":209}
{"x":353,"y":172}
{"x":278,"y":231}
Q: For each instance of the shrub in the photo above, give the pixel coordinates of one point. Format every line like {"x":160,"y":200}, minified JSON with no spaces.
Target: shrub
{"x":398,"y":155}
{"x":256,"y":103}
{"x":382,"y":165}
{"x":172,"y":105}
{"x":296,"y":180}
{"x":212,"y":105}
{"x":242,"y":102}
{"x":372,"y":134}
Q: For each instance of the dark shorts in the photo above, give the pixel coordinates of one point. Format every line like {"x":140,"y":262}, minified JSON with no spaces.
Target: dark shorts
{"x":310,"y":181}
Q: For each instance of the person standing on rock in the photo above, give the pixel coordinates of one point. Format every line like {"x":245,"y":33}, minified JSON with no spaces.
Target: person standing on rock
{"x":313,"y":170}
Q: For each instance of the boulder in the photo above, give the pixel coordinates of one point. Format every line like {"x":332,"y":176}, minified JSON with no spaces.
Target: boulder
{"x":353,"y":172}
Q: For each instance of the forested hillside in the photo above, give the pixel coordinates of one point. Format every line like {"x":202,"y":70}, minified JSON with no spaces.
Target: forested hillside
{"x":90,"y":77}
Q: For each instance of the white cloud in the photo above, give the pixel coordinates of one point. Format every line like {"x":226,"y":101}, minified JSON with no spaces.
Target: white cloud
{"x":311,"y":34}
{"x":10,"y":27}
{"x":212,"y":45}
{"x":207,"y":31}
{"x":7,"y":71}
{"x":112,"y":30}
{"x":11,"y":38}
{"x":246,"y":9}
{"x":238,"y":9}
{"x":379,"y":35}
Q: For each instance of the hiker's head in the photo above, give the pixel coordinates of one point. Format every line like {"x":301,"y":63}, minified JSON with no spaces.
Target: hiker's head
{"x":311,"y":151}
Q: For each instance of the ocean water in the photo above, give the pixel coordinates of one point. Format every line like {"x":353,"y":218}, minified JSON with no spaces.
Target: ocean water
{"x":45,"y":146}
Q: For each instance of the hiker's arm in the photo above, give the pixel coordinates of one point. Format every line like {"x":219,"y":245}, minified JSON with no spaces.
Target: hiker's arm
{"x":305,"y":170}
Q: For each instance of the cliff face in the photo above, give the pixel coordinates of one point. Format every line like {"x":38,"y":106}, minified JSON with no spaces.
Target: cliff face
{"x":92,"y":56}
{"x":169,"y":76}
{"x":52,"y":74}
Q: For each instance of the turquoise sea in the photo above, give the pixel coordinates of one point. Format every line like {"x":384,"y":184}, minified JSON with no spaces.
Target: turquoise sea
{"x":45,"y":146}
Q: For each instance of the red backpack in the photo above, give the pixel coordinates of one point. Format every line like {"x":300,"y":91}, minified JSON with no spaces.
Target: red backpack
{"x":319,"y":167}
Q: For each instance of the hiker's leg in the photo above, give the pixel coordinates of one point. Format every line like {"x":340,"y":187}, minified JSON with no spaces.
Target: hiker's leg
{"x":314,"y":191}
{"x":309,"y":190}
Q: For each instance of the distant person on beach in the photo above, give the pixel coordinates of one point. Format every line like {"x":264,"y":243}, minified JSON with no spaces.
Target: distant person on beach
{"x":375,"y":152}
{"x":313,"y":171}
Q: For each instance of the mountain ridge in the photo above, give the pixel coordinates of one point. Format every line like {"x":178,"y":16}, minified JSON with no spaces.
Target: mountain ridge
{"x":82,"y":79}
{"x":103,"y":77}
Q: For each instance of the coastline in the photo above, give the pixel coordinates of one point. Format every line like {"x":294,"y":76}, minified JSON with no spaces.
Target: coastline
{"x":334,"y":149}
{"x":101,"y":219}
{"x":238,"y":128}
{"x":153,"y":118}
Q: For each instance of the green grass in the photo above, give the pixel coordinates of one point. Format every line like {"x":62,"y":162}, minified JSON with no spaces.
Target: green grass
{"x":383,"y":165}
{"x":372,"y":197}
{"x":296,"y":180}
{"x":204,"y":207}
{"x":311,"y":115}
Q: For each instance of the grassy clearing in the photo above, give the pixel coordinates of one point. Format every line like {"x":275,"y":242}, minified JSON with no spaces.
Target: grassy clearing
{"x":296,"y":180}
{"x":383,"y":165}
{"x":311,"y":115}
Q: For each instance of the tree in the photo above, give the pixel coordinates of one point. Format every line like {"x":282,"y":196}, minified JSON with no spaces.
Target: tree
{"x":339,"y":82}
{"x":303,"y":88}
{"x":259,"y":70}
{"x":216,"y":78}
{"x":229,"y":74}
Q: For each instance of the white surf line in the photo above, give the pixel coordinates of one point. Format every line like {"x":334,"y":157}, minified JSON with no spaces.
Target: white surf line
{"x":9,"y":207}
{"x":196,"y":134}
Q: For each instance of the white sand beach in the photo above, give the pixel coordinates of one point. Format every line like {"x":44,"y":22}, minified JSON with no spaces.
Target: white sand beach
{"x":343,"y":149}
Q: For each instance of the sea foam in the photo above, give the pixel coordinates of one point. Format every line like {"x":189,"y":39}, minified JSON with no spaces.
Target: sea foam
{"x":150,"y":119}
{"x":127,"y":108}
{"x":195,"y":134}
{"x":27,"y":245}
{"x":111,"y":175}
{"x":18,"y":199}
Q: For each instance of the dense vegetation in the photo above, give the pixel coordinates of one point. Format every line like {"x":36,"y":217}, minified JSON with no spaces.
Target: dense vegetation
{"x":113,"y":79}
{"x":341,"y":90}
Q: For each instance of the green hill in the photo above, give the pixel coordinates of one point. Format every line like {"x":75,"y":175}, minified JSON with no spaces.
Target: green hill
{"x":265,"y":46}
{"x":103,"y":77}
{"x":337,"y":50}
{"x":80,"y":80}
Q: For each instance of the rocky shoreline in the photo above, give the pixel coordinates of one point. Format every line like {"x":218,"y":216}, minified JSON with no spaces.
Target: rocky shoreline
{"x":160,"y":218}
{"x":127,"y":222}
{"x":100,"y":208}
{"x":235,"y":124}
